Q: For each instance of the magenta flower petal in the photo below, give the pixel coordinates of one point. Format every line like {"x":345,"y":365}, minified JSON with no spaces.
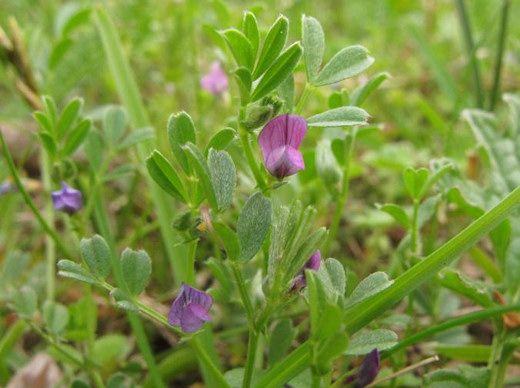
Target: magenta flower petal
{"x":279,"y":141}
{"x":369,"y":369}
{"x":284,"y":161}
{"x":67,"y":199}
{"x":313,"y":264}
{"x":190,"y":309}
{"x":216,"y":81}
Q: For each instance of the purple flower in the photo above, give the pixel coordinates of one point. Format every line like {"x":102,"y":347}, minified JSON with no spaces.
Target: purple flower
{"x":368,"y":370}
{"x":279,"y":140}
{"x":314,"y":264}
{"x":216,"y":81}
{"x":8,"y":187}
{"x":190,"y":309}
{"x":67,"y":199}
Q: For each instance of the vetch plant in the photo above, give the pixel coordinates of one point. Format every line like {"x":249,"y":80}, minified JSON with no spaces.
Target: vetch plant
{"x":248,"y":278}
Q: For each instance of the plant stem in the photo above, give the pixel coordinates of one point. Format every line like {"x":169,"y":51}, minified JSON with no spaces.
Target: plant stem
{"x":237,"y":273}
{"x":50,"y":248}
{"x":364,"y":312}
{"x":414,"y":233}
{"x":343,"y":196}
{"x":208,"y":362}
{"x":470,"y":50}
{"x":499,"y":54}
{"x":190,"y":267}
{"x":248,"y":151}
{"x":303,"y":99}
{"x":496,"y":358}
{"x":459,"y":321}
{"x":27,"y":198}
{"x":252,"y":345}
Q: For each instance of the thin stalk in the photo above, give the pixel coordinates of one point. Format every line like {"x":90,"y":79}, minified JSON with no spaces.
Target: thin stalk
{"x":495,"y":360}
{"x":343,"y":196}
{"x":50,"y":247}
{"x":495,"y":91}
{"x":28,"y":200}
{"x":459,"y":321}
{"x":252,"y":345}
{"x":470,"y":51}
{"x":303,"y":99}
{"x":364,"y":312}
{"x":190,"y":267}
{"x":246,"y":300}
{"x":485,"y":263}
{"x":414,"y":232}
{"x":204,"y":357}
{"x":403,"y":371}
{"x":10,"y":338}
{"x":248,"y":151}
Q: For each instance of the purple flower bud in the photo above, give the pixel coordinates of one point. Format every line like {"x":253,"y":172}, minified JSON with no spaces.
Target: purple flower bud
{"x":8,"y":187}
{"x":190,"y":309}
{"x":67,"y":199}
{"x":368,"y":370}
{"x":279,"y":140}
{"x":314,"y":264}
{"x":216,"y":81}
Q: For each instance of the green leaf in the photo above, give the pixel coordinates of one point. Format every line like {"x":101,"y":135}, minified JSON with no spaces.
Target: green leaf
{"x":317,"y":299}
{"x":286,"y":92}
{"x":243,"y":77}
{"x":49,"y":144}
{"x":165,"y":176}
{"x":280,"y":69}
{"x":44,"y":122}
{"x":371,"y":285}
{"x":336,"y":273}
{"x":329,"y":350}
{"x":364,"y":91}
{"x":68,"y":116}
{"x":415,"y":181}
{"x":313,"y":40}
{"x":365,"y":342}
{"x":56,"y":316}
{"x":114,"y":123}
{"x":58,"y":52}
{"x":240,"y":46}
{"x":72,"y":270}
{"x":24,"y":301}
{"x":79,"y":17}
{"x":137,"y":268}
{"x":281,"y":339}
{"x":119,"y":172}
{"x":198,"y":162}
{"x":13,"y":266}
{"x":51,"y":109}
{"x":463,"y":377}
{"x":221,"y":140}
{"x":230,"y":240}
{"x":223,"y":177}
{"x":468,"y":353}
{"x":329,"y":322}
{"x":327,"y":167}
{"x":274,"y":43}
{"x":96,"y":254}
{"x":472,"y":289}
{"x":427,"y":209}
{"x":250,"y":28}
{"x":136,"y":137}
{"x":339,"y":117}
{"x":77,"y":136}
{"x":253,"y":225}
{"x":94,"y":149}
{"x":181,"y":130}
{"x":111,"y":349}
{"x":345,"y":64}
{"x":397,"y":212}
{"x":123,"y":300}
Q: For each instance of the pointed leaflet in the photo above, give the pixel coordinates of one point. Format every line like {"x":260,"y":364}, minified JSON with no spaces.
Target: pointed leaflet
{"x":273,"y":45}
{"x":77,"y":136}
{"x":114,"y":123}
{"x":339,"y":117}
{"x":181,"y":130}
{"x":313,"y":41}
{"x":240,"y":46}
{"x":253,"y":225}
{"x":165,"y":176}
{"x":278,"y":72}
{"x":200,"y":165}
{"x":345,"y":64}
{"x":250,"y":28}
{"x":68,"y":116}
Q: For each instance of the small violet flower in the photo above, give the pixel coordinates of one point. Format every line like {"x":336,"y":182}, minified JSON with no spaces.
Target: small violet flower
{"x":313,"y":263}
{"x":8,"y":187}
{"x":190,"y":309}
{"x":368,"y":370}
{"x":216,"y":81}
{"x":279,"y":141}
{"x":67,"y":199}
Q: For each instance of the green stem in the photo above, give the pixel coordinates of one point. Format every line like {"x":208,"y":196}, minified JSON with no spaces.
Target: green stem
{"x":204,"y":357}
{"x":248,"y":151}
{"x":470,"y":50}
{"x":10,"y":338}
{"x":485,"y":263}
{"x":459,"y":321}
{"x":496,"y":360}
{"x":50,"y":231}
{"x":499,"y":54}
{"x":252,"y":345}
{"x":50,"y":248}
{"x":364,"y":312}
{"x":414,"y":235}
{"x":246,"y":300}
{"x":303,"y":99}
{"x":190,"y":268}
{"x":343,"y":196}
